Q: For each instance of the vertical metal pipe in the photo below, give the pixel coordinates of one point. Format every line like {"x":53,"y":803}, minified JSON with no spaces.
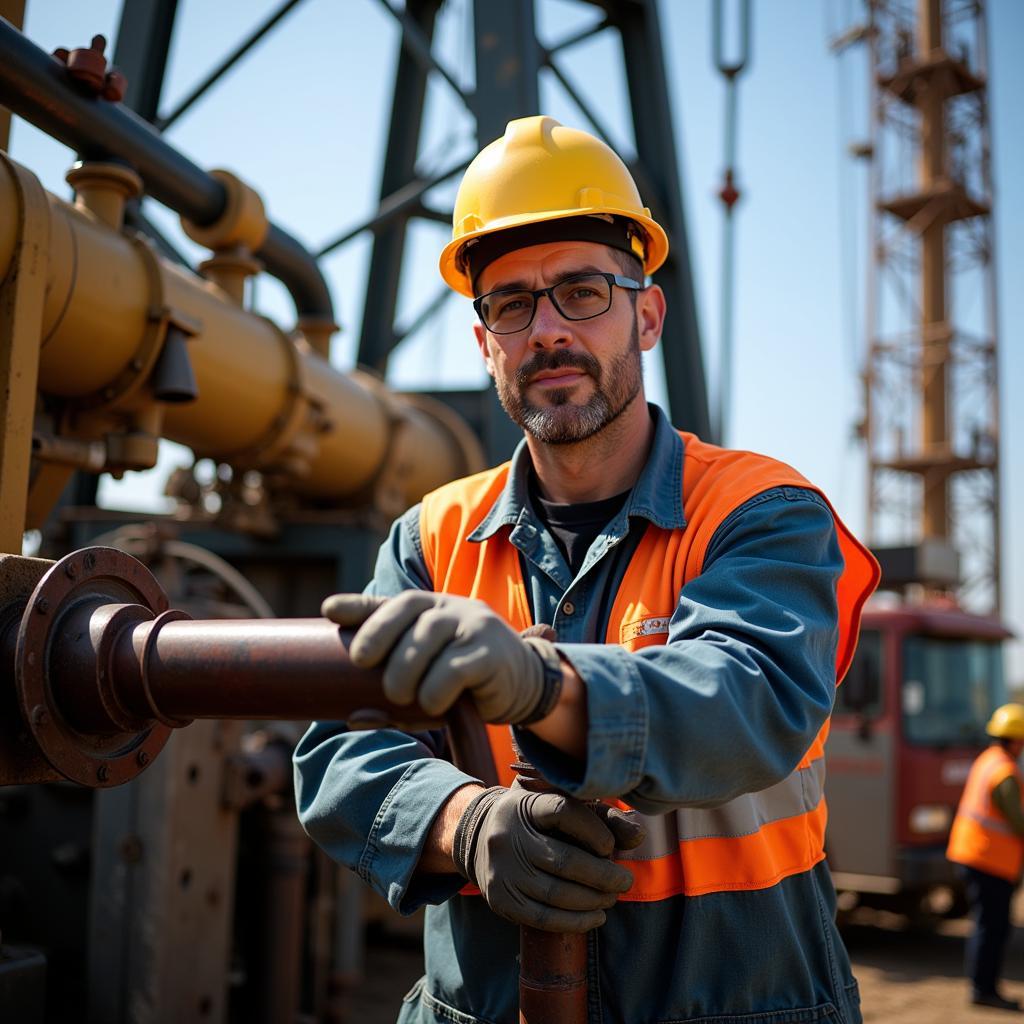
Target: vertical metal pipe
{"x":552,"y":977}
{"x":287,"y":853}
{"x":552,"y":965}
{"x":992,"y":312}
{"x":934,"y":330}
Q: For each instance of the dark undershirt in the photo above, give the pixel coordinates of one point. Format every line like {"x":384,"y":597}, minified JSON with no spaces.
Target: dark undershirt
{"x":575,"y":525}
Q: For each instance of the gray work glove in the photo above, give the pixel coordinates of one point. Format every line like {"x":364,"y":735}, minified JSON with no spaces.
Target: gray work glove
{"x":435,"y":646}
{"x":541,"y":859}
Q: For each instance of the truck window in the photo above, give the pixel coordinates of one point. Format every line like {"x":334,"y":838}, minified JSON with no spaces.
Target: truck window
{"x":861,"y":691}
{"x":950,"y":688}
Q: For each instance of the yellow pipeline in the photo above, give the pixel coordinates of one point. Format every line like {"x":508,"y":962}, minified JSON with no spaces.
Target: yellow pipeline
{"x":264,"y":401}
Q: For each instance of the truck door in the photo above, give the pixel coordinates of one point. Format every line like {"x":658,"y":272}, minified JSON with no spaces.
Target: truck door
{"x":859,"y":787}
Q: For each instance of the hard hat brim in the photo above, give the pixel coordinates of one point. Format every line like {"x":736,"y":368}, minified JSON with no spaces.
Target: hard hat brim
{"x":458,"y":280}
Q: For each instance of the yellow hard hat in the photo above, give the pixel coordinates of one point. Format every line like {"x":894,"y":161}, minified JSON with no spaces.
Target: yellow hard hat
{"x":540,"y":171}
{"x":1007,"y":722}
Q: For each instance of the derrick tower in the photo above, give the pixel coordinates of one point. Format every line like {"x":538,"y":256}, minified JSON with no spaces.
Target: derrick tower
{"x":931,"y":382}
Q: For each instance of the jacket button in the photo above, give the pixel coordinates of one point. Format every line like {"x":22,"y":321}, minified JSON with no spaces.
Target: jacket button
{"x":568,"y":608}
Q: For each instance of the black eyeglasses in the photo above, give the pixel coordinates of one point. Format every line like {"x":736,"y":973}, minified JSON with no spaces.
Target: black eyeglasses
{"x":580,"y":297}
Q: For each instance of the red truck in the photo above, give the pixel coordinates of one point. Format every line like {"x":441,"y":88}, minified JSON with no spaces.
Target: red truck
{"x":908,"y":722}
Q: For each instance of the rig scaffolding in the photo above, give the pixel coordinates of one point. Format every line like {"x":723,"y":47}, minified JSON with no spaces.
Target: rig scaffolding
{"x":931,"y":381}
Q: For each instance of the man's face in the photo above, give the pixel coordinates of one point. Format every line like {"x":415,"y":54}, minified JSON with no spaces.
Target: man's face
{"x":563,"y":380}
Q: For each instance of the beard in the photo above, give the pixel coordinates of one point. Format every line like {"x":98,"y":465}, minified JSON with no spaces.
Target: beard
{"x":559,"y":421}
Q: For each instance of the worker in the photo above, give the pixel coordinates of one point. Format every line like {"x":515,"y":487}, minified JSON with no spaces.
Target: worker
{"x":703,"y":604}
{"x":987,"y":842}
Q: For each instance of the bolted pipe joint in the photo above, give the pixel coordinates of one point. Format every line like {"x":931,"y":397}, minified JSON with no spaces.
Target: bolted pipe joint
{"x":72,"y":702}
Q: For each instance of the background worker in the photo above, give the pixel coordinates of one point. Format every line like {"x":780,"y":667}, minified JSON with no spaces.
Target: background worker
{"x":705,"y":602}
{"x":987,"y":841}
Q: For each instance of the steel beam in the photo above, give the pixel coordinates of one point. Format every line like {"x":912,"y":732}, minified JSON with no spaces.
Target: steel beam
{"x":508,"y":61}
{"x":143,"y":41}
{"x":507,"y":65}
{"x":377,"y":335}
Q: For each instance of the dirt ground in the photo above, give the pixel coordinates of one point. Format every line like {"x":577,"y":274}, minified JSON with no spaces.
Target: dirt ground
{"x":915,"y":977}
{"x":906,"y":976}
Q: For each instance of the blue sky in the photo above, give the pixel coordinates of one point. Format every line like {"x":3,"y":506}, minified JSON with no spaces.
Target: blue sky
{"x":303,"y":119}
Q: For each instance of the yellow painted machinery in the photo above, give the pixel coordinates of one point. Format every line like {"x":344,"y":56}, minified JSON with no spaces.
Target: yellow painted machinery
{"x":123,"y":348}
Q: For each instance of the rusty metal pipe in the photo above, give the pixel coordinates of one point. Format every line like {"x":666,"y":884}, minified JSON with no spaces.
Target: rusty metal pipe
{"x":103,"y":671}
{"x":552,"y":977}
{"x":552,"y":965}
{"x":243,"y":668}
{"x":279,"y":975}
{"x":283,"y":669}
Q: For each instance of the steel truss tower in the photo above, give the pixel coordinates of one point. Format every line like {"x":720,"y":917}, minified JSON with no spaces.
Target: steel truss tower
{"x":931,"y":381}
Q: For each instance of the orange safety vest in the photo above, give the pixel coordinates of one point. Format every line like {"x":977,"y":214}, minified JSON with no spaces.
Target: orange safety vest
{"x":754,"y":840}
{"x":981,"y":836}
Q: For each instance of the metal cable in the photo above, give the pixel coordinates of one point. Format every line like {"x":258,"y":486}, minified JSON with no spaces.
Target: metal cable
{"x":729,"y":194}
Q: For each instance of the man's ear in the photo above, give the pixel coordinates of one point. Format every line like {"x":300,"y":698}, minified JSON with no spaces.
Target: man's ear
{"x":481,"y":343}
{"x":650,"y":311}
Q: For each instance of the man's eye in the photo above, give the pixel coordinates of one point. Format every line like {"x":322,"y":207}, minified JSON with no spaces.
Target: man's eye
{"x":513,"y":304}
{"x":582,"y":291}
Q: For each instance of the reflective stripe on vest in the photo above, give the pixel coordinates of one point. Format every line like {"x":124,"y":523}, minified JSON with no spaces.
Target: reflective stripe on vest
{"x":752,"y":841}
{"x":749,"y":842}
{"x":994,"y":824}
{"x":981,"y":837}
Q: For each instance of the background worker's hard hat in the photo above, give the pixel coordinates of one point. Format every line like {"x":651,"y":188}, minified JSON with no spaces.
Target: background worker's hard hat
{"x":541,"y":171}
{"x":1007,"y":722}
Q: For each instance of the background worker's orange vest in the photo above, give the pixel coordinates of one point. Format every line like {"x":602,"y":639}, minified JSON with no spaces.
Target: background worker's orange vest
{"x":981,"y":836}
{"x":755,"y":840}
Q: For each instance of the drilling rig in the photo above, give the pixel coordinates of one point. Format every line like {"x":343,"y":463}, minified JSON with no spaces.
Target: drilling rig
{"x":910,"y":718}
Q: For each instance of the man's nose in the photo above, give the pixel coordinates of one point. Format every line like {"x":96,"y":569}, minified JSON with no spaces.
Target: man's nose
{"x":549,"y":327}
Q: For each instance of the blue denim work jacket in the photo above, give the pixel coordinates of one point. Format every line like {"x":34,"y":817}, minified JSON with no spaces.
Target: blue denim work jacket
{"x":727,"y":706}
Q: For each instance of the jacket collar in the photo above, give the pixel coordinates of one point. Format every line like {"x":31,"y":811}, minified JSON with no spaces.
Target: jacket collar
{"x":657,"y":494}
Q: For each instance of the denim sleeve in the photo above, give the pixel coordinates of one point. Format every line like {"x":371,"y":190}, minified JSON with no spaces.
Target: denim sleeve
{"x":733,"y":700}
{"x":370,"y":798}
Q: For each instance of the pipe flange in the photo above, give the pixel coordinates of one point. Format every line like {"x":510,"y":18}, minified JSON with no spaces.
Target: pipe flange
{"x":88,"y":575}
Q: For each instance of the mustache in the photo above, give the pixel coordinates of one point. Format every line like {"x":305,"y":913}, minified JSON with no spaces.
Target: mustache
{"x":558,"y":360}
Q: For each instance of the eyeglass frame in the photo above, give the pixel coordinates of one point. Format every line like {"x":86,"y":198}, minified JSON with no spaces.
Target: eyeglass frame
{"x":613,"y":280}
